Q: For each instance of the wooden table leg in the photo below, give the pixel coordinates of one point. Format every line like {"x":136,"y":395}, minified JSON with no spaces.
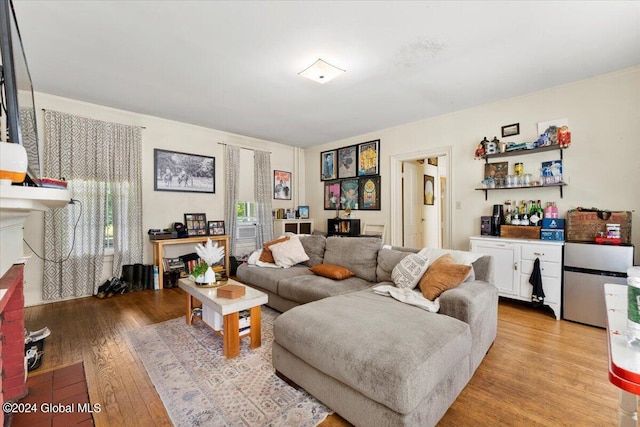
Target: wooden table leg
{"x":255,"y":334}
{"x":231,"y":336}
{"x":189,"y":309}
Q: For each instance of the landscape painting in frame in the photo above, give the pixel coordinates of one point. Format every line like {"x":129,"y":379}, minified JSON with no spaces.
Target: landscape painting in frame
{"x":368,"y":158}
{"x":332,"y":195}
{"x":175,"y":171}
{"x":369,"y":193}
{"x":347,"y":162}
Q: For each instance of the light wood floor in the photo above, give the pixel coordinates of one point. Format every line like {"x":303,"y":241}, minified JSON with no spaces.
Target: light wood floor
{"x":539,"y":372}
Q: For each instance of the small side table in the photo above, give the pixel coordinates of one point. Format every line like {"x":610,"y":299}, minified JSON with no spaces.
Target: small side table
{"x":624,"y":361}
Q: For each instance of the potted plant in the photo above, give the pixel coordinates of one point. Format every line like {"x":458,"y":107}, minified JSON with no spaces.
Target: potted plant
{"x":199,"y":271}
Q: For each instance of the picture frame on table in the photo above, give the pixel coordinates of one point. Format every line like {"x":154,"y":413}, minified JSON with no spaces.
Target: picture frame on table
{"x":328,"y":165}
{"x":196,"y":224}
{"x":216,"y":228}
{"x":303,"y":212}
{"x":183,"y":172}
{"x":369,"y":193}
{"x":348,"y":162}
{"x":281,"y":185}
{"x":369,"y":158}
{"x":332,"y":195}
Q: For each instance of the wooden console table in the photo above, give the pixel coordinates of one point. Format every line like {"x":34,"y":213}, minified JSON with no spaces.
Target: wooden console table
{"x":158,"y":250}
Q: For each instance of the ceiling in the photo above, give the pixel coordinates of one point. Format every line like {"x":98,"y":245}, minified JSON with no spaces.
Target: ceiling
{"x":233,"y":66}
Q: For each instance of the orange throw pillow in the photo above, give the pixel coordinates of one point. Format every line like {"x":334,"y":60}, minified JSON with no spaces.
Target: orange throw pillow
{"x":266,"y":255}
{"x":332,"y":271}
{"x":442,"y":275}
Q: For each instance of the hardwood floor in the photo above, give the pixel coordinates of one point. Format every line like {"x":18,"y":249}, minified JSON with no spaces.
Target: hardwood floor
{"x":539,"y":372}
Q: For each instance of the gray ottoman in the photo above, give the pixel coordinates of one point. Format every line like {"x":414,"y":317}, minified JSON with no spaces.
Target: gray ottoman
{"x":374,"y":360}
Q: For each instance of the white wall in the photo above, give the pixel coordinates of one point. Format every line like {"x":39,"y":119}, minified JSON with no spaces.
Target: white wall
{"x":160,"y":208}
{"x":602,"y":165}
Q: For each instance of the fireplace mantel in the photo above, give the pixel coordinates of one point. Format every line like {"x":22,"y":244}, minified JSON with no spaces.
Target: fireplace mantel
{"x":16,"y":203}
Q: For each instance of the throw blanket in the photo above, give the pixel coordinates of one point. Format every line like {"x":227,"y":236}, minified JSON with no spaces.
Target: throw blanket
{"x":408,"y":296}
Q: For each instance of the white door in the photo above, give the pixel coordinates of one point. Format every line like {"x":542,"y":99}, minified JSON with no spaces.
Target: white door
{"x":506,"y":274}
{"x":412,"y":205}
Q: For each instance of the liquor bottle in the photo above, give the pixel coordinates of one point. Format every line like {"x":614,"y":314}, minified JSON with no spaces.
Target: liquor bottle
{"x":507,"y":213}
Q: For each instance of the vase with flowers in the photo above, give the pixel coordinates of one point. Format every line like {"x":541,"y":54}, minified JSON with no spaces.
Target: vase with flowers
{"x":210,"y":254}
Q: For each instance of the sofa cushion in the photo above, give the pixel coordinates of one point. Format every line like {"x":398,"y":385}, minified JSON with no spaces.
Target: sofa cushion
{"x":268,"y":278}
{"x":331,"y":271}
{"x":314,"y":247}
{"x":266,"y":255}
{"x":289,"y":253}
{"x":312,"y":288}
{"x":443,"y":274}
{"x":407,"y":273}
{"x":387,"y":260}
{"x":401,"y":363}
{"x":358,"y":254}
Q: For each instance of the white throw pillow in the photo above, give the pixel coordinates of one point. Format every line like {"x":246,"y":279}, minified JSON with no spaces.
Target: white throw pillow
{"x":289,"y":253}
{"x":407,"y":273}
{"x":459,"y":257}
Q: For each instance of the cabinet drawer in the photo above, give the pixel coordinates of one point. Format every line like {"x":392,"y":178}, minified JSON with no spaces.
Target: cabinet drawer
{"x":548,"y":269}
{"x":544,"y":252}
{"x":550,"y":285}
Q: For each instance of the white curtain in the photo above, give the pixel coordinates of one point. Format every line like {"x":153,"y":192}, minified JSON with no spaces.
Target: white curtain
{"x":232,"y":178}
{"x":89,"y":154}
{"x":264,"y":193}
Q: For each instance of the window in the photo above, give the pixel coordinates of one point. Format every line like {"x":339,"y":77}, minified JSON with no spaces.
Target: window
{"x":108,"y":227}
{"x":246,"y":212}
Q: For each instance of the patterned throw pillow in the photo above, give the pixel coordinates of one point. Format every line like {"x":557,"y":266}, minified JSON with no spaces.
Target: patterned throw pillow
{"x":332,"y":271}
{"x":407,"y":273}
{"x":442,"y":275}
{"x":266,"y":255}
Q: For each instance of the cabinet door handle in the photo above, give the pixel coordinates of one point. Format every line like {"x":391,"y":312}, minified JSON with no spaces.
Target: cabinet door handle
{"x":538,"y":253}
{"x":515,"y":266}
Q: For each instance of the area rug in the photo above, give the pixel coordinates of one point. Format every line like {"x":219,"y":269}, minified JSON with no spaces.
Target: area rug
{"x":200,"y":387}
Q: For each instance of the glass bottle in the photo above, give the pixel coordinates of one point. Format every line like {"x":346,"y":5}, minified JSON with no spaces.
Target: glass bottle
{"x":507,"y":213}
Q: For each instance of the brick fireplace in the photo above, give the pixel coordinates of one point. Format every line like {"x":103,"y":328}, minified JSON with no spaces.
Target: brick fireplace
{"x":12,"y":378}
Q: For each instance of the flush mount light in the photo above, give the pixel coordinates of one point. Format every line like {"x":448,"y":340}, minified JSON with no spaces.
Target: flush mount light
{"x":321,"y":72}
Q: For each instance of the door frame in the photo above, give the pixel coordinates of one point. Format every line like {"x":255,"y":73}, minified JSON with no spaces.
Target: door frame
{"x":396,"y":190}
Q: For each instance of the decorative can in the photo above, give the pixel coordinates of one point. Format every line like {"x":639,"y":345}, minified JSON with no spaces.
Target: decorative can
{"x":518,"y":169}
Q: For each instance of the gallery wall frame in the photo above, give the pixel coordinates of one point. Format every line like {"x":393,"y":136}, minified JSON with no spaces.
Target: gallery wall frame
{"x":347,"y":161}
{"x":332,"y":195}
{"x":369,"y":158}
{"x":281,"y":185}
{"x":369,"y":193}
{"x":328,"y":165}
{"x":183,"y":172}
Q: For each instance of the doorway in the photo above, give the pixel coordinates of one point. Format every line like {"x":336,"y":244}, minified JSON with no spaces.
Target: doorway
{"x":419,"y":218}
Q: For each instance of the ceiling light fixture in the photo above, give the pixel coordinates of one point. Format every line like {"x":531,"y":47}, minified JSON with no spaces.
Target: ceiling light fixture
{"x":321,"y":72}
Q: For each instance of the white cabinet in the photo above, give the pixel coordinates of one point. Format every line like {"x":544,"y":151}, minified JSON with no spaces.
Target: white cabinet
{"x":513,"y":261}
{"x":297,"y":226}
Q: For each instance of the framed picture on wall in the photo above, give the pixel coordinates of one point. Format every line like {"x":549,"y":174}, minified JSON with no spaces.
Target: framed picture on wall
{"x":369,"y":158}
{"x":196,"y":224}
{"x":174,"y":171}
{"x":349,"y":194}
{"x":429,"y":192}
{"x":281,"y":185}
{"x":328,"y":165}
{"x":347,"y":162}
{"x":369,"y":193}
{"x":332,"y":195}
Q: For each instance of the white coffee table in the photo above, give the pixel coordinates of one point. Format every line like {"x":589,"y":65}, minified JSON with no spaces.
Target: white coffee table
{"x":228,"y":309}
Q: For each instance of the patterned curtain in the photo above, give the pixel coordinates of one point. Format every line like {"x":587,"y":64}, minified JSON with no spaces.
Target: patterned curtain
{"x":264,"y":193}
{"x":126,"y":195}
{"x":232,"y":180}
{"x":81,"y":150}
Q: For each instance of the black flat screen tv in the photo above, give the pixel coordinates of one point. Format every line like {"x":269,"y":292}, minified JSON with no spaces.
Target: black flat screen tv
{"x":17,"y":91}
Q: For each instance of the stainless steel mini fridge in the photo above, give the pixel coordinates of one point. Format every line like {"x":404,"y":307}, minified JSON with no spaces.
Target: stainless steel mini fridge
{"x":587,"y":267}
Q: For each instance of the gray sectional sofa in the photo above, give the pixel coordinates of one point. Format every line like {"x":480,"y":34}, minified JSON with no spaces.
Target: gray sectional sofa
{"x":372,"y":359}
